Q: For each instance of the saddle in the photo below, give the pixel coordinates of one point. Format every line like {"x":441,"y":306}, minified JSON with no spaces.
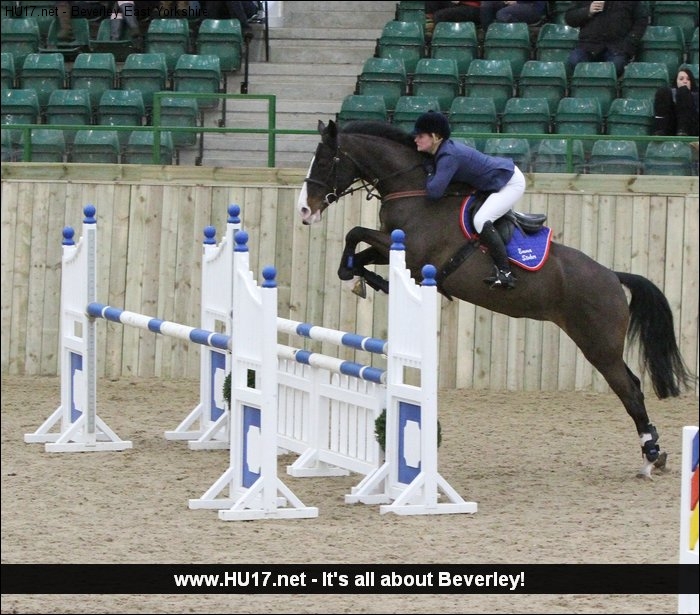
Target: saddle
{"x":527,"y":223}
{"x":525,"y":236}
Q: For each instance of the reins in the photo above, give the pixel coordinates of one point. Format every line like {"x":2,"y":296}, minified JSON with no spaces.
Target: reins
{"x":369,"y":185}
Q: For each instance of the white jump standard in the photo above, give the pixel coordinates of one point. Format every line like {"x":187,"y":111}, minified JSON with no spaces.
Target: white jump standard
{"x":322,"y":407}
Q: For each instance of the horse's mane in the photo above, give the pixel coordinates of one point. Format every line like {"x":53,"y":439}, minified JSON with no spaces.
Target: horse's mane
{"x":379,"y":129}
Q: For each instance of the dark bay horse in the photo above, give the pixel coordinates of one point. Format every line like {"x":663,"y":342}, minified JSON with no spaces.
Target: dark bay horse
{"x":584,"y":298}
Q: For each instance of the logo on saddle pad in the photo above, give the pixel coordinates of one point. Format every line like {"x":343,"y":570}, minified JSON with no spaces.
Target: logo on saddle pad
{"x":526,"y":250}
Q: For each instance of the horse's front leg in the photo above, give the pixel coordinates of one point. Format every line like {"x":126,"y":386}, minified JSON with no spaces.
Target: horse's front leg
{"x":354,"y":263}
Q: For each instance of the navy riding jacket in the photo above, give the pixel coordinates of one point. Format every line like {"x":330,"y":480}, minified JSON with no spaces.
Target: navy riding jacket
{"x":457,"y":162}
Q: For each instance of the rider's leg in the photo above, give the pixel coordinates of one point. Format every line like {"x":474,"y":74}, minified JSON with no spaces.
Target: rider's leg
{"x":495,"y":206}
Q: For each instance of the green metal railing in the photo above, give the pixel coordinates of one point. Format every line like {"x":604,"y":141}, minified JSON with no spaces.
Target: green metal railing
{"x":270,"y":129}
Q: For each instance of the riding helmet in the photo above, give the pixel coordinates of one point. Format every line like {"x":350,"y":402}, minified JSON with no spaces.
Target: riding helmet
{"x":432,"y":122}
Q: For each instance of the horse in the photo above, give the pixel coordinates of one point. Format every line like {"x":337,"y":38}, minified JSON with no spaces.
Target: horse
{"x":584,"y":298}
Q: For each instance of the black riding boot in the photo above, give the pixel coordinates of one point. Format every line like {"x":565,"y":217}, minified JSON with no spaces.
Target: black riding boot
{"x":503,"y":277}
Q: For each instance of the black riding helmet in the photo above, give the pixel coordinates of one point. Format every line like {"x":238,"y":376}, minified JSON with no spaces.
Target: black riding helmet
{"x":432,"y":122}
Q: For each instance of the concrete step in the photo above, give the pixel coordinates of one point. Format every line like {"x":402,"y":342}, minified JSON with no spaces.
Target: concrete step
{"x":317,"y":50}
{"x":327,"y":15}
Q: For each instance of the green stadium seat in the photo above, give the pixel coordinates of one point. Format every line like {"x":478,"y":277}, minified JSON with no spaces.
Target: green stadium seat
{"x":694,"y":68}
{"x":683,"y":14}
{"x":180,"y":112}
{"x":222,"y":38}
{"x":630,"y":116}
{"x":558,"y":11}
{"x":19,"y":37}
{"x":121,"y":108}
{"x":48,"y":145}
{"x":518,"y":150}
{"x":410,"y":11}
{"x":642,"y":79}
{"x":69,"y":107}
{"x":595,"y":80}
{"x":490,"y":79}
{"x":614,"y":157}
{"x":94,"y":72}
{"x":438,"y":78}
{"x":42,"y":12}
{"x":140,"y":148}
{"x":456,"y":41}
{"x":402,"y":40}
{"x":19,"y":107}
{"x":668,"y":158}
{"x":170,"y":37}
{"x":8,"y":75}
{"x":665,"y":44}
{"x":95,"y":146}
{"x":146,"y":72}
{"x":8,"y":152}
{"x":103,"y":42}
{"x":69,"y":49}
{"x":508,"y":41}
{"x":199,"y":74}
{"x":362,"y":107}
{"x":408,"y":108}
{"x":526,"y":116}
{"x":384,"y":77}
{"x":471,"y":114}
{"x":44,"y":73}
{"x":554,"y":42}
{"x":542,"y":79}
{"x":551,"y":157}
{"x":579,"y":116}
{"x":693,"y":48}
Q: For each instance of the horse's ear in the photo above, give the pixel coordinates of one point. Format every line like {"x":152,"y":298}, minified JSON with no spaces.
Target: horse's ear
{"x":321,"y":127}
{"x":332,"y":129}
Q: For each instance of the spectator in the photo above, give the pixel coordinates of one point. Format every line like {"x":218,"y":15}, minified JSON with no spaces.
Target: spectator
{"x":608,"y":31}
{"x":125,"y":12}
{"x":171,"y":8}
{"x":458,"y":11}
{"x":511,"y":11}
{"x":676,"y":108}
{"x":452,"y":161}
{"x":436,"y":12}
{"x":65,"y":28}
{"x":242,"y":11}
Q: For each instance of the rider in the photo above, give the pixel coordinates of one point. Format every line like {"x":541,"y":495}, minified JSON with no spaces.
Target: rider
{"x":455,"y":161}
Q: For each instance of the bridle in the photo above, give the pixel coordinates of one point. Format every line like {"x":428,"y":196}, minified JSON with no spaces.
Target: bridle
{"x":371,"y":186}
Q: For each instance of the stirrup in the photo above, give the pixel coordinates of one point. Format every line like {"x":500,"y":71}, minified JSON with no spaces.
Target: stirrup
{"x":502,"y":278}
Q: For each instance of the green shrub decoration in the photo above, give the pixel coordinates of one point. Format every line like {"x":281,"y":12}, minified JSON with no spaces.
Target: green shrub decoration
{"x":380,"y":430}
{"x":227,"y":386}
{"x":227,"y":390}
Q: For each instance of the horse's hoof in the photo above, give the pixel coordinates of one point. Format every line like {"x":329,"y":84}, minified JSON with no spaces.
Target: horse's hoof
{"x":644,"y":476}
{"x":360,"y":288}
{"x":660,"y":463}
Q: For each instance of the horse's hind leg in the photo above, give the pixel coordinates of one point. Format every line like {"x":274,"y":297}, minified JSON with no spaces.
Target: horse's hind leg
{"x":605,"y":352}
{"x":628,"y":388}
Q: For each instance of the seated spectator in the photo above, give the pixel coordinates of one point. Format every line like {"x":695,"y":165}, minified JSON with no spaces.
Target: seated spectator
{"x":511,"y":11}
{"x":608,"y":31}
{"x":676,"y":108}
{"x":435,"y":12}
{"x":125,"y":12}
{"x":172,"y":8}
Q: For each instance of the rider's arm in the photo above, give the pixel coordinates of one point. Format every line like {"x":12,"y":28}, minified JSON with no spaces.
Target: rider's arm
{"x":445,"y":169}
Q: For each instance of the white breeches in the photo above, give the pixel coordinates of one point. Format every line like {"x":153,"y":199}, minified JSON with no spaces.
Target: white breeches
{"x":502,"y":201}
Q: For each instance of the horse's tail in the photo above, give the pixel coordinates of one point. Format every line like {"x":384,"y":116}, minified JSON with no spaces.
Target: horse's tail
{"x":651,"y":322}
